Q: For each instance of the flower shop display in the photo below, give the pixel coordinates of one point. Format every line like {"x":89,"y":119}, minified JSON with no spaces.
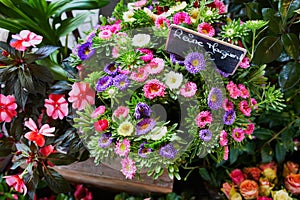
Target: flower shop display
{"x":156,"y":109}
{"x":264,"y":181}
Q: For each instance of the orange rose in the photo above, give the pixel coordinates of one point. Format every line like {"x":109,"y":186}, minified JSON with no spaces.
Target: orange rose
{"x":292,"y":183}
{"x":252,"y":173}
{"x":249,"y":189}
{"x":290,"y":168}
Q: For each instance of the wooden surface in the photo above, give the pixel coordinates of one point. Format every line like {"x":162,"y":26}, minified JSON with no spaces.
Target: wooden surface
{"x":105,"y":177}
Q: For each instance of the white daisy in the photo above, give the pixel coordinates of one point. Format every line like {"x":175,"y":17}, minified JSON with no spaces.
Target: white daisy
{"x":128,"y":16}
{"x":140,"y":40}
{"x":158,"y":132}
{"x":173,"y":80}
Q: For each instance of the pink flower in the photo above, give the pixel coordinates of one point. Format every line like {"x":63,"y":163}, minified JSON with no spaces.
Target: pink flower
{"x":226,"y":188}
{"x":292,"y":183}
{"x":264,"y":198}
{"x":82,"y":193}
{"x":226,"y":153}
{"x":8,"y":108}
{"x":233,"y":90}
{"x":203,"y":118}
{"x":155,"y":66}
{"x":206,"y":28}
{"x":218,"y":5}
{"x":122,"y":148}
{"x":188,"y":90}
{"x":115,"y":28}
{"x":56,"y":106}
{"x":162,"y":22}
{"x":46,"y":150}
{"x":253,"y":103}
{"x":115,"y":51}
{"x":154,"y":88}
{"x":141,"y":75}
{"x":36,"y":135}
{"x":244,"y":91}
{"x":148,"y":54}
{"x":140,"y":3}
{"x":81,"y":95}
{"x":101,"y":125}
{"x":245,"y":63}
{"x":237,"y":176}
{"x":238,"y":134}
{"x":181,"y":17}
{"x":105,"y":34}
{"x":223,"y":138}
{"x":98,"y":111}
{"x":25,"y":39}
{"x":227,"y":105}
{"x":245,"y":108}
{"x":249,"y":189}
{"x":250,"y":128}
{"x":121,"y":111}
{"x":17,"y":182}
{"x":128,"y":167}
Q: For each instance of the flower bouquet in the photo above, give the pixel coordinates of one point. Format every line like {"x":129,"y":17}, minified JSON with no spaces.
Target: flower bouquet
{"x":264,"y":182}
{"x":143,"y":109}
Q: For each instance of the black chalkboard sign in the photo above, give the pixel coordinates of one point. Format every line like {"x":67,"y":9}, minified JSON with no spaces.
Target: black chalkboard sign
{"x":226,"y":56}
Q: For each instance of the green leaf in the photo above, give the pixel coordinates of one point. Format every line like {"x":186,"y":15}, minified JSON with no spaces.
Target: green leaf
{"x":23,"y":147}
{"x":17,"y":127}
{"x":289,"y":76}
{"x":287,"y":8}
{"x":275,"y":22}
{"x":70,"y":24}
{"x":266,"y":154}
{"x":61,"y":159}
{"x":280,"y":152}
{"x":291,"y":44}
{"x":267,"y":50}
{"x":55,"y":181}
{"x":233,"y":155}
{"x":204,"y":174}
{"x":262,"y":133}
{"x":253,"y":10}
{"x":6,"y":146}
{"x":45,"y":51}
{"x":56,"y":70}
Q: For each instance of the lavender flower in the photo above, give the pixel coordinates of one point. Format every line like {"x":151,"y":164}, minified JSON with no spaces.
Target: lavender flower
{"x":194,"y":62}
{"x":103,"y":83}
{"x":224,"y":74}
{"x":85,"y":51}
{"x":144,"y":151}
{"x":105,"y":140}
{"x":145,"y":126}
{"x":229,"y":117}
{"x":205,"y":135}
{"x":168,"y":151}
{"x":215,"y":99}
{"x":121,"y":81}
{"x":111,"y":69}
{"x":176,"y":60}
{"x":142,"y":110}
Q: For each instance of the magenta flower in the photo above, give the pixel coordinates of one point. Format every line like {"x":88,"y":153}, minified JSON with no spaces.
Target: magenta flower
{"x":181,"y":17}
{"x":154,"y":88}
{"x":188,"y":90}
{"x":253,"y":103}
{"x":206,"y":28}
{"x":8,"y":108}
{"x":227,"y":105}
{"x":128,"y":167}
{"x":244,"y":91}
{"x":17,"y":182}
{"x":233,"y":90}
{"x":223,"y":138}
{"x":56,"y":106}
{"x":155,"y":66}
{"x":238,"y":134}
{"x":36,"y":135}
{"x":219,"y":5}
{"x":148,"y":54}
{"x":250,"y":128}
{"x":141,"y":75}
{"x":98,"y":111}
{"x":121,"y":111}
{"x":203,"y":118}
{"x":245,"y":63}
{"x":81,"y":95}
{"x":162,"y":22}
{"x":122,"y":148}
{"x":105,"y":34}
{"x":25,"y":39}
{"x":245,"y":108}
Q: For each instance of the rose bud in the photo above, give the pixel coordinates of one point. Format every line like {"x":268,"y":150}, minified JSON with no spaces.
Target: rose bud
{"x":249,"y":189}
{"x":292,"y":183}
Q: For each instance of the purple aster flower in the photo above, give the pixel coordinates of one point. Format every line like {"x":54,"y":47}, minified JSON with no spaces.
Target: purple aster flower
{"x":111,"y":69}
{"x":145,"y":126}
{"x":229,"y":117}
{"x":205,"y":135}
{"x":103,"y":83}
{"x":168,"y":151}
{"x":174,"y":59}
{"x":142,"y":110}
{"x":121,"y":81}
{"x":215,"y":98}
{"x":105,"y":140}
{"x":194,"y":62}
{"x":144,"y":151}
{"x":85,"y":51}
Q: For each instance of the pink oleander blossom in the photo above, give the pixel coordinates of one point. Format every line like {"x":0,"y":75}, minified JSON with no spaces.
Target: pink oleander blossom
{"x":227,"y":105}
{"x":121,"y":111}
{"x":206,"y":28}
{"x":162,"y":22}
{"x":154,"y":88}
{"x":36,"y":135}
{"x":245,"y":108}
{"x":81,"y":95}
{"x":98,"y":111}
{"x":25,"y":39}
{"x":244,"y":91}
{"x":188,"y":90}
{"x":8,"y":108}
{"x":128,"y":167}
{"x":203,"y":118}
{"x":17,"y":182}
{"x":223,"y":138}
{"x":238,"y":134}
{"x":245,"y":63}
{"x":141,"y":75}
{"x":155,"y":66}
{"x":233,"y":90}
{"x":122,"y":148}
{"x":181,"y":17}
{"x":148,"y":54}
{"x":56,"y":106}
